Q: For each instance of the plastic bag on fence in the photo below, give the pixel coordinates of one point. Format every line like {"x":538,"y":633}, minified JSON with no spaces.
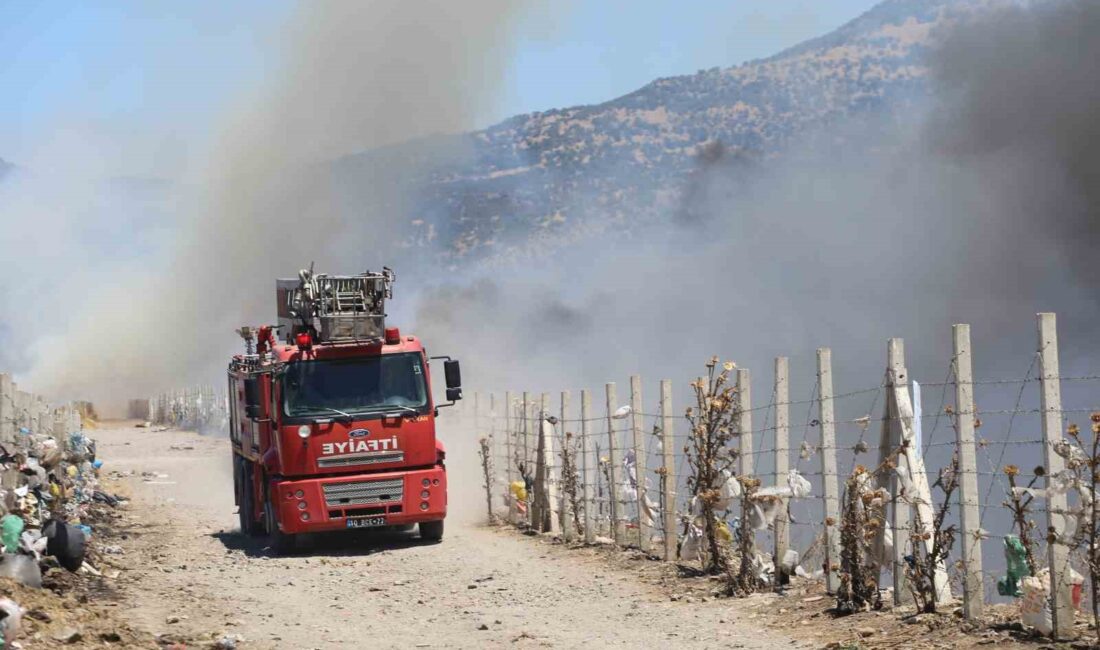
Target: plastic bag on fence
{"x":648,"y":511}
{"x":629,"y":488}
{"x":1058,"y":483}
{"x":789,"y":561}
{"x":1069,"y":451}
{"x":764,"y":568}
{"x":728,"y":490}
{"x":800,"y":487}
{"x":689,"y":550}
{"x":519,"y":490}
{"x":1015,"y":567}
{"x":882,"y":548}
{"x":765,"y":509}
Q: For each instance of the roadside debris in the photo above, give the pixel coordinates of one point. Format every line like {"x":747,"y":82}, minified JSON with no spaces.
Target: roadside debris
{"x":49,"y":486}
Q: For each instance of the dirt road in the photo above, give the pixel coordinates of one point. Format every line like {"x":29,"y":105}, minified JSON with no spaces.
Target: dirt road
{"x":190,"y":573}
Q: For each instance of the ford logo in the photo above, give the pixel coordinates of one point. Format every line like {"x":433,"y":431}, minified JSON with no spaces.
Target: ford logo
{"x":358,"y":433}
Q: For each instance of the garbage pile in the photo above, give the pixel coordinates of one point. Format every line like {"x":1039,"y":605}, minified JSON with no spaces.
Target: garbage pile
{"x":47,"y":489}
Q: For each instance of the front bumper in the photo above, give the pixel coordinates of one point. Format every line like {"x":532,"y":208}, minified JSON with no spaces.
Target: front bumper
{"x":330,"y":502}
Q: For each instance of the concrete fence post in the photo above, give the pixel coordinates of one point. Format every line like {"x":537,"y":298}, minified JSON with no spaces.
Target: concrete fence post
{"x":827,"y":422}
{"x":510,"y":455}
{"x":615,"y":469}
{"x":782,"y":457}
{"x":588,"y":473}
{"x":744,"y":422}
{"x":1051,"y":410}
{"x":565,"y":516}
{"x":525,"y":434}
{"x":549,"y":458}
{"x":637,"y":426}
{"x":901,"y":518}
{"x":668,"y":450}
{"x":969,"y":516}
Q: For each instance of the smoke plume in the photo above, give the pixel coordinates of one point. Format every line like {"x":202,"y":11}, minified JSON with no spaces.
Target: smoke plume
{"x":980,"y":208}
{"x":265,"y":201}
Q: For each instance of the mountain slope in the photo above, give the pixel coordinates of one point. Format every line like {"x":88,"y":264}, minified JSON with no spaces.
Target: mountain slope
{"x":544,"y":177}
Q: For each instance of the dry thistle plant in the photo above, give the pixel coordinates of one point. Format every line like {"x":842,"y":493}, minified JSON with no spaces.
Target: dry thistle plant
{"x":862,"y":521}
{"x":486,"y":455}
{"x":570,"y":481}
{"x":711,"y":423}
{"x":746,"y":581}
{"x":921,"y":566}
{"x":1019,"y":502}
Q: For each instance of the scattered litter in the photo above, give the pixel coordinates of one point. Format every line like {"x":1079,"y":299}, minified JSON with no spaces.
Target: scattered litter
{"x":12,"y":615}
{"x":228,"y":642}
{"x":68,"y":635}
{"x":1015,"y":567}
{"x":66,"y":543}
{"x":23,"y":569}
{"x":11,"y":526}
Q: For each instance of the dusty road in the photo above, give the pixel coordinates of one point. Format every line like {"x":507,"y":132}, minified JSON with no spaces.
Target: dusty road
{"x":192,"y":574}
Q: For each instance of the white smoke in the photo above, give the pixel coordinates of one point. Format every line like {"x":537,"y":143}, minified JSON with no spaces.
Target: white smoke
{"x":345,"y":77}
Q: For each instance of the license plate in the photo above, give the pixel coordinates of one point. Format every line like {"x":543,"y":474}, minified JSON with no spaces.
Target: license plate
{"x":367,"y":522}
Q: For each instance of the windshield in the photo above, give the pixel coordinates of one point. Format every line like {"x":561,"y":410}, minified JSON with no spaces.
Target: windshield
{"x":349,"y":386}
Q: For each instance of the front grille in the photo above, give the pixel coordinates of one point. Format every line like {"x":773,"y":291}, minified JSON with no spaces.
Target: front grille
{"x":364,"y":492}
{"x":369,"y":458}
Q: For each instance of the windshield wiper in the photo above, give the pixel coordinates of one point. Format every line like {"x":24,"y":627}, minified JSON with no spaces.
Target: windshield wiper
{"x":400,"y":406}
{"x":347,"y":416}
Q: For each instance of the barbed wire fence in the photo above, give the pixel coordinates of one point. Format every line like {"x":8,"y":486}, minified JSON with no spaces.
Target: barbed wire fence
{"x":630,"y":473}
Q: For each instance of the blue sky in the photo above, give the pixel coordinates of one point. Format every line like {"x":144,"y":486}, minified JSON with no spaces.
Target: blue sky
{"x":148,"y":79}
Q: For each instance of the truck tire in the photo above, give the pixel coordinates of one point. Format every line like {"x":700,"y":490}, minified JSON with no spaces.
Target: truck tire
{"x":246,"y":507}
{"x":279,"y":542}
{"x":431,"y":531}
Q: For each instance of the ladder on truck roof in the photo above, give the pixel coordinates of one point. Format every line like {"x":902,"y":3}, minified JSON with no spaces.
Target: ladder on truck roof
{"x":335,"y":308}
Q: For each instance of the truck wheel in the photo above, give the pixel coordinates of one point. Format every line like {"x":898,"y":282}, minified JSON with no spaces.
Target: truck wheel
{"x":279,"y":542}
{"x":431,"y":531}
{"x":246,"y":507}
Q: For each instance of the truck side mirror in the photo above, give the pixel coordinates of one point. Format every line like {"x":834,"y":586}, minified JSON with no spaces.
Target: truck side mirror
{"x":454,"y":394}
{"x":454,"y":377}
{"x":252,"y":397}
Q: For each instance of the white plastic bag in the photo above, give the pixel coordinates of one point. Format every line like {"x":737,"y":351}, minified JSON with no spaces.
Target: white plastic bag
{"x":1035,"y":599}
{"x":1034,"y":606}
{"x":689,"y":550}
{"x":800,"y":487}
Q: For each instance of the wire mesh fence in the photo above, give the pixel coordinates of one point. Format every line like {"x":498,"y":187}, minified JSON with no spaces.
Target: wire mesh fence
{"x":200,"y":408}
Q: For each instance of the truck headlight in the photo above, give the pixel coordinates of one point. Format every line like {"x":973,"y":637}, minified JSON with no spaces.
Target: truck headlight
{"x":303,"y":431}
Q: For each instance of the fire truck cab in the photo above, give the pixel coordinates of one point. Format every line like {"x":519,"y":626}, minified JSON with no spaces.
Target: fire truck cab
{"x":333,"y":426}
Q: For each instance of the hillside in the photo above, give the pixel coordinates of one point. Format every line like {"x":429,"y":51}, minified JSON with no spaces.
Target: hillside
{"x":535,"y":181}
{"x":541,"y":178}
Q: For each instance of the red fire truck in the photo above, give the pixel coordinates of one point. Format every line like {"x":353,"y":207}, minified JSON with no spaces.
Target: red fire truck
{"x":332,"y":418}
